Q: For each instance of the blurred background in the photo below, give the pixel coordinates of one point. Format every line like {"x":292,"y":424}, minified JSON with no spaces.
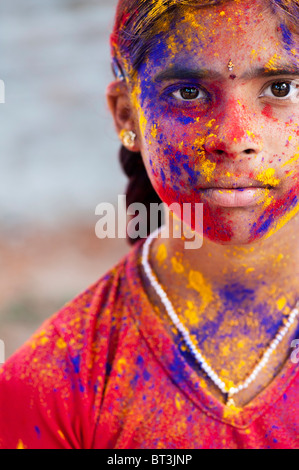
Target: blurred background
{"x":58,"y":157}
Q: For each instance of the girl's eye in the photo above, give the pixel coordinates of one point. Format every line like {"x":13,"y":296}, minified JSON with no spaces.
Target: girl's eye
{"x":188,"y":93}
{"x":282,"y":90}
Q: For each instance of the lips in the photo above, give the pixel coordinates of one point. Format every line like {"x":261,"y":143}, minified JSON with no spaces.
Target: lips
{"x":238,"y":192}
{"x":236,"y":183}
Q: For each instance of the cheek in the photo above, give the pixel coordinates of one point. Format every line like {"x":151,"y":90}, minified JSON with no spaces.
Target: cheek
{"x":175,"y":169}
{"x":175,"y":178}
{"x":277,"y":214}
{"x":175,"y":157}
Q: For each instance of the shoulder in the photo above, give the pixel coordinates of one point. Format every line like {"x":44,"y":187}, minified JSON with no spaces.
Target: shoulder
{"x":90,"y":314}
{"x":60,"y":372}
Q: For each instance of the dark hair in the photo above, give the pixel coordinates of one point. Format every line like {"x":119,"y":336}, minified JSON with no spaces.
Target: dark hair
{"x":137,"y":23}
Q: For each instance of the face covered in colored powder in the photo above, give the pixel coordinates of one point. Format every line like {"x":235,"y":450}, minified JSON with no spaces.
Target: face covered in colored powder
{"x":224,"y":133}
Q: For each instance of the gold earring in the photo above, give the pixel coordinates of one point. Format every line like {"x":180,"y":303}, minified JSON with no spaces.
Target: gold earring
{"x":128,"y":138}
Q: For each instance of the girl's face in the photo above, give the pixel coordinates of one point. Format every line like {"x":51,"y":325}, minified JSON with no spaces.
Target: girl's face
{"x":226,"y":138}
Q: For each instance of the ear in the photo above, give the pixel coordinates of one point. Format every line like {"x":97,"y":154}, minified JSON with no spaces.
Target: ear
{"x":118,"y":98}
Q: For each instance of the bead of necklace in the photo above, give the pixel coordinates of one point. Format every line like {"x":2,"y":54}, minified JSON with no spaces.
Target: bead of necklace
{"x":228,"y":391}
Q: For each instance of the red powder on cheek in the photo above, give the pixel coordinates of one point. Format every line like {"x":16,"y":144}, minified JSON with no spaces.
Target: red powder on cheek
{"x":267,"y":111}
{"x":216,"y":227}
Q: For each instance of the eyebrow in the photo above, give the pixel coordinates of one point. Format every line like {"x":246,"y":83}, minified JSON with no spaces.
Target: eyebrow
{"x":176,"y":72}
{"x":271,"y":71}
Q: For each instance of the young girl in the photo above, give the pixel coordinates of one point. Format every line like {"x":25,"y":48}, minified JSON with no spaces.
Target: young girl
{"x":181,"y":348}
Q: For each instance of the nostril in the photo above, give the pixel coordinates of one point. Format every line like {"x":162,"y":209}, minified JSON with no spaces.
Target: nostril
{"x":249,"y":151}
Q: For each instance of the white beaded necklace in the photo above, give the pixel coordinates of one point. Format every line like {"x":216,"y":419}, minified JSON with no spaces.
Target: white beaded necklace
{"x":230,"y":392}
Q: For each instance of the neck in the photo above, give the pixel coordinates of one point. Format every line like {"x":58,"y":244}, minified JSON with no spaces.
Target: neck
{"x":232,"y":277}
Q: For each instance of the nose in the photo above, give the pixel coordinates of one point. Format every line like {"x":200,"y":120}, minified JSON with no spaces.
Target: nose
{"x":234,"y":132}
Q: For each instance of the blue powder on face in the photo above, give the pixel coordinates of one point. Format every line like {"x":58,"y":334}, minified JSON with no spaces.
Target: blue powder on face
{"x":192,"y":174}
{"x":174,"y":168}
{"x":286,"y":36}
{"x":265,"y":225}
{"x":186,"y":120}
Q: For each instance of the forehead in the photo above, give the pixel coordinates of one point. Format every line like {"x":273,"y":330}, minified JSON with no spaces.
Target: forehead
{"x":246,"y":32}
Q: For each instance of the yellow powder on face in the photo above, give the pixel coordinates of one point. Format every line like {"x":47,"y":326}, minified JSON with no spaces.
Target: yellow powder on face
{"x":177,"y":266}
{"x":135,"y":101}
{"x":161,"y":253}
{"x":250,"y":134}
{"x":44,"y":340}
{"x":208,"y":168}
{"x":195,"y":23}
{"x":210,"y":123}
{"x":272,"y":64}
{"x":154,"y":131}
{"x":266,"y":200}
{"x":199,"y":146}
{"x":267,"y":177}
{"x":199,"y":142}
{"x":292,"y":160}
{"x":174,"y":46}
{"x":283,"y":221}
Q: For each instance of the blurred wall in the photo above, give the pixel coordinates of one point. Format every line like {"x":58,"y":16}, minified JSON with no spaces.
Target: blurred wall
{"x":58,"y":157}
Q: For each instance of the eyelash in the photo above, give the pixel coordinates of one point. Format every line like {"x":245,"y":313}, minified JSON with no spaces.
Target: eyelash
{"x":197,"y":87}
{"x":294,"y":83}
{"x":208,"y":97}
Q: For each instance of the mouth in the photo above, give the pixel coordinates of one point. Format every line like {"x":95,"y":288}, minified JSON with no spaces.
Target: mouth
{"x":236,"y":183}
{"x":240,"y":192}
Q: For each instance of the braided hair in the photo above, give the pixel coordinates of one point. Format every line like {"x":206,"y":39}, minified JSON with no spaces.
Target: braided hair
{"x":139,"y":188}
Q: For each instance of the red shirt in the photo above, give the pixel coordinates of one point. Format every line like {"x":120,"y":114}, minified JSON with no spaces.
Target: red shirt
{"x":105,"y":373}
